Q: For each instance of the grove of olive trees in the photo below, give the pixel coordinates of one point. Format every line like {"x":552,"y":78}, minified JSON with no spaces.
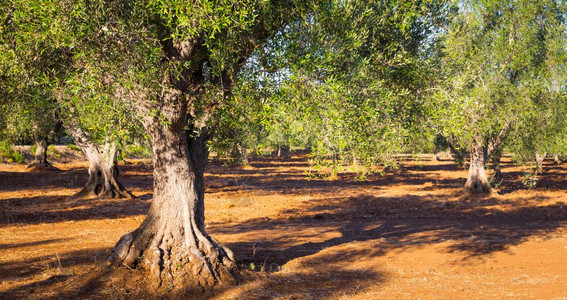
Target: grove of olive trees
{"x":352,"y":83}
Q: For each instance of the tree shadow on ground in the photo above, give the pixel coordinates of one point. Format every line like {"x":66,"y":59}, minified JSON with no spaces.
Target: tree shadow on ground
{"x":552,"y":178}
{"x":32,"y":207}
{"x":55,"y":268}
{"x":70,"y":178}
{"x":318,"y":281}
{"x":475,"y":228}
{"x":285,"y":183}
{"x":37,"y":180}
{"x":31,"y":244}
{"x":320,"y":278}
{"x":445,"y":166}
{"x":317,"y":236}
{"x":52,"y":209}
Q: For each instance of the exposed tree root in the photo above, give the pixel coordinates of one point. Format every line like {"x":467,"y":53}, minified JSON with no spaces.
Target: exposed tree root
{"x":41,"y":166}
{"x":104,"y":191}
{"x":477,"y":181}
{"x":104,"y":183}
{"x":40,"y":162}
{"x":190,"y":263}
{"x":479,"y":187}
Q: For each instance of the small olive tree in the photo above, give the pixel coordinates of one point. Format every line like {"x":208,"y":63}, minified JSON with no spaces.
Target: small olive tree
{"x":495,"y":56}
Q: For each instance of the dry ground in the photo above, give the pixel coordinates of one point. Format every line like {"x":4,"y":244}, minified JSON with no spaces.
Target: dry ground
{"x":409,"y":234}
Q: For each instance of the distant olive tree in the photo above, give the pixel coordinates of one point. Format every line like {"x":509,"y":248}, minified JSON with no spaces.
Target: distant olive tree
{"x":497,"y":58}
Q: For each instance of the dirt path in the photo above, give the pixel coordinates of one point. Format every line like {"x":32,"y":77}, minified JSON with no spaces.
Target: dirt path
{"x":406,"y":235}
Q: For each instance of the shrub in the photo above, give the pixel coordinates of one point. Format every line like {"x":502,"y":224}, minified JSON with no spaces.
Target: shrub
{"x":530,"y":180}
{"x":5,"y":150}
{"x":17,"y":157}
{"x":51,"y":150}
{"x":73,"y":147}
{"x":138,"y":151}
{"x":6,"y":153}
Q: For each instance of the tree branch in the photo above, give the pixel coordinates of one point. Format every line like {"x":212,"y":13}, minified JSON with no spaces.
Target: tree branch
{"x":263,"y":60}
{"x":494,"y":144}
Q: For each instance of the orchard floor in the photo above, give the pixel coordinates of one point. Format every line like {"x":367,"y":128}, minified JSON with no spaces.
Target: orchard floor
{"x":409,"y":234}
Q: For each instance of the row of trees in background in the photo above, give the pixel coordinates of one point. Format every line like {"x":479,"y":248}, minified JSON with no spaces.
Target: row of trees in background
{"x":363,"y":83}
{"x":353,"y":81}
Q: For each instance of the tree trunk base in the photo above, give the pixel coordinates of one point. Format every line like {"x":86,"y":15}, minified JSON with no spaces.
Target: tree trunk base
{"x":171,"y":264}
{"x":497,"y":175}
{"x":477,"y":181}
{"x":112,"y":193}
{"x":478,"y":187}
{"x":539,"y":158}
{"x":41,"y":166}
{"x":104,"y":189}
{"x":284,"y":153}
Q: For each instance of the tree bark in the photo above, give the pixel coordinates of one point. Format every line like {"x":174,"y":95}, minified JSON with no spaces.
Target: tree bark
{"x":477,"y":181}
{"x":458,"y":156}
{"x":40,"y":161}
{"x":539,"y":158}
{"x":103,"y":168}
{"x":496,"y":157}
{"x":171,"y":244}
{"x":41,"y":144}
{"x":239,"y":155}
{"x":556,"y":159}
{"x":284,"y":152}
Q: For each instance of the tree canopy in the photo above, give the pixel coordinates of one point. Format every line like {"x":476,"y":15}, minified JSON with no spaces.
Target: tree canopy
{"x":353,"y":81}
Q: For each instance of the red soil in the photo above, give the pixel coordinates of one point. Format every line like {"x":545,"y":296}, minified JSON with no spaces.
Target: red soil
{"x":409,"y":234}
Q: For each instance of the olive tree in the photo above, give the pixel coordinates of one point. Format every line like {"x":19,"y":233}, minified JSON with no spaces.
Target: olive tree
{"x":29,"y":112}
{"x":173,"y":63}
{"x":494,"y":55}
{"x":359,"y":82}
{"x":543,"y":130}
{"x":99,"y":124}
{"x":353,"y":74}
{"x":30,"y":116}
{"x":48,"y":87}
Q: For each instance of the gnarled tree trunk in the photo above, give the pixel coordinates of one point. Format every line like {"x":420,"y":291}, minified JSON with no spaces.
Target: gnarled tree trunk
{"x":477,"y":181}
{"x":103,"y":173}
{"x":539,"y":158}
{"x":239,"y":155}
{"x":40,"y":161}
{"x":41,"y":144}
{"x":103,"y":168}
{"x":496,"y":157}
{"x":284,"y":152}
{"x":171,"y":244}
